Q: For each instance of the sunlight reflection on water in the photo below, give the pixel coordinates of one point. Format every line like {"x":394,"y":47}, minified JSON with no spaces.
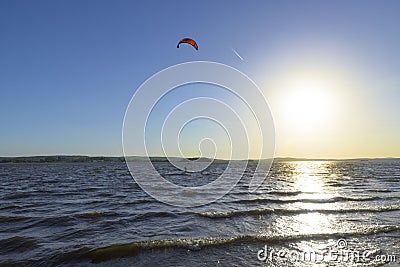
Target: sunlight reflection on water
{"x":310,"y":179}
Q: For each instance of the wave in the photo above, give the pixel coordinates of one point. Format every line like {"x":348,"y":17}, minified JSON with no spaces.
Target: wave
{"x":11,"y":207}
{"x":152,"y":214}
{"x":178,"y":173}
{"x":310,"y":200}
{"x":18,"y":195}
{"x":228,"y":214}
{"x":286,"y":193}
{"x":105,"y":194}
{"x":65,"y":193}
{"x":139,"y":201}
{"x":131,"y":249}
{"x":91,"y":188}
{"x":381,"y":190}
{"x":54,"y":220}
{"x":17,"y":243}
{"x":94,"y":214}
{"x":10,"y":219}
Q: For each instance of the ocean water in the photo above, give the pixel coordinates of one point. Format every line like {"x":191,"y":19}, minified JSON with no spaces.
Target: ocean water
{"x":79,"y":214}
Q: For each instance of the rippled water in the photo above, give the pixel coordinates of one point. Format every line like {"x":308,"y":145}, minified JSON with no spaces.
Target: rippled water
{"x":94,"y":213}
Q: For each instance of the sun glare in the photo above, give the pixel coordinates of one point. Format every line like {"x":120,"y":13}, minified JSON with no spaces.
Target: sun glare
{"x":307,"y":106}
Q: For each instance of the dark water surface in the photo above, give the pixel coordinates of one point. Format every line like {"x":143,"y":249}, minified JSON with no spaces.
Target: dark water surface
{"x":94,"y":213}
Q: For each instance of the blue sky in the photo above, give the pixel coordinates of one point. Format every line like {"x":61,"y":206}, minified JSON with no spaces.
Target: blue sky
{"x":69,"y":68}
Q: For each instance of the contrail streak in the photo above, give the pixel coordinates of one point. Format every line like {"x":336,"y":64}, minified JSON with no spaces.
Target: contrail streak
{"x":236,"y":53}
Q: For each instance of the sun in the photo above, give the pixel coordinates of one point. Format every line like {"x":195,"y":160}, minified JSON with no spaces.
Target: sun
{"x":307,"y":106}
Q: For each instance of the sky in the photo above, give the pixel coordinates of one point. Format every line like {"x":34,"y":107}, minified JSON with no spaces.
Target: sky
{"x":328,"y":69}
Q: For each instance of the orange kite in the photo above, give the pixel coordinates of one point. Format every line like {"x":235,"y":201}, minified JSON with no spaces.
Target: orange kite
{"x":188,"y":41}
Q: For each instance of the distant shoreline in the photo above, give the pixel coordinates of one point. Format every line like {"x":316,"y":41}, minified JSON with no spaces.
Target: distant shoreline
{"x":72,"y":159}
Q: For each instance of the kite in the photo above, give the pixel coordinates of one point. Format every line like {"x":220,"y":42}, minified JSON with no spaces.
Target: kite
{"x":188,"y":41}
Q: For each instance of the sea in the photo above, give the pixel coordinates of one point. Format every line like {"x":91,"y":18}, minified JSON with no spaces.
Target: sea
{"x":306,"y":213}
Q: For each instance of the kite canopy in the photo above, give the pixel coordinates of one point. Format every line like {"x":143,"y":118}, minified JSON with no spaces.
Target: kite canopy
{"x":188,"y":41}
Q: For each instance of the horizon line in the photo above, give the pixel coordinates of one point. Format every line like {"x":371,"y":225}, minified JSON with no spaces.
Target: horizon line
{"x":196,"y":157}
